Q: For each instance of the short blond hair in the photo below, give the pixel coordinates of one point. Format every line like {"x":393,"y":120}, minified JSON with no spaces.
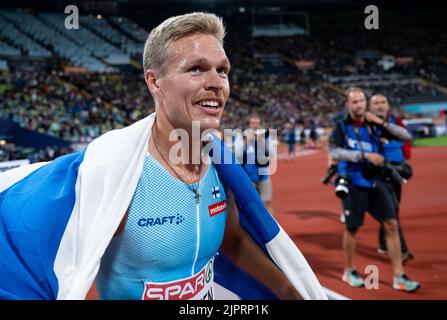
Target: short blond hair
{"x":156,"y":48}
{"x":353,"y":89}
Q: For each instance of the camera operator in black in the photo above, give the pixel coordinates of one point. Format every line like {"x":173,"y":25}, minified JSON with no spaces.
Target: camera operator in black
{"x":354,"y":142}
{"x":393,"y":153}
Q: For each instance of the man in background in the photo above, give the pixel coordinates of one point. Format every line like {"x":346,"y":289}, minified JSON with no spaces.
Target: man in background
{"x":291,"y":139}
{"x":258,"y":153}
{"x":395,"y":152}
{"x":354,"y":142}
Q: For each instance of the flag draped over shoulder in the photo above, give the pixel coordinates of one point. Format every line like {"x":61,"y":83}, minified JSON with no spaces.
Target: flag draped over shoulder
{"x":57,"y":219}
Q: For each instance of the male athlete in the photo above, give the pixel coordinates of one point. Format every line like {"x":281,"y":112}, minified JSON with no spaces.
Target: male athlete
{"x":126,"y":213}
{"x":168,"y":234}
{"x":354,"y":142}
{"x":395,"y":152}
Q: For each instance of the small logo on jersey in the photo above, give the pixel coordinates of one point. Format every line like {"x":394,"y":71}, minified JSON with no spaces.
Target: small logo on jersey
{"x":215,"y":192}
{"x":151,"y":222}
{"x":217,"y":208}
{"x":354,"y":144}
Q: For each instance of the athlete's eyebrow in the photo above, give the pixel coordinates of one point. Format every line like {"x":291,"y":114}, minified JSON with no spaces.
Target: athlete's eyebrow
{"x":201,"y":60}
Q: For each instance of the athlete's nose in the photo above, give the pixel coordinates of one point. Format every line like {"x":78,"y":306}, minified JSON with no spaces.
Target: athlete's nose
{"x":212,"y":80}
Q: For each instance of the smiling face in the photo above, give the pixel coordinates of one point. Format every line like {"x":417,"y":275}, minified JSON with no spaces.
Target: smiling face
{"x":194,"y":86}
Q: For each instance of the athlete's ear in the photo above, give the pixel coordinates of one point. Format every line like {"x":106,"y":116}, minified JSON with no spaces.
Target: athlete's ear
{"x":151,"y":80}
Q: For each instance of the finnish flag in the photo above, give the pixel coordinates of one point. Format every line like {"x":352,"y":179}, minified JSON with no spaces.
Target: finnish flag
{"x":216,"y":192}
{"x":58,"y":218}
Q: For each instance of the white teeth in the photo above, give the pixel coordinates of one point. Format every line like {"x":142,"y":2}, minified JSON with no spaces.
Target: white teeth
{"x":210,"y":103}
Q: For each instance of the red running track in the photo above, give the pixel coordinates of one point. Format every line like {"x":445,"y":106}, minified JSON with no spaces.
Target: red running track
{"x":310,"y":212}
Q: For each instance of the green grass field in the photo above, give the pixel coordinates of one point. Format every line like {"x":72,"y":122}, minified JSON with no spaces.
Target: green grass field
{"x":431,"y":142}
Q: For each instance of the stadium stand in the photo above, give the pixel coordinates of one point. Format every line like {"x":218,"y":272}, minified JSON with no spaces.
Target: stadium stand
{"x":290,"y":78}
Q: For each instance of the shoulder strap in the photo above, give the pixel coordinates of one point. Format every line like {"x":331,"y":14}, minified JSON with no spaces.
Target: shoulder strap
{"x":359,"y":141}
{"x":374,"y":134}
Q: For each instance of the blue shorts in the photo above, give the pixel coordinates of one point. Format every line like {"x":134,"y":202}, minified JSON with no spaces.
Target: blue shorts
{"x":291,"y":147}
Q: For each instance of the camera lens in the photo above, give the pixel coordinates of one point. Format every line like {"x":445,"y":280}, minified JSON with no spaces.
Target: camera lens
{"x":342,"y":187}
{"x":341,"y":191}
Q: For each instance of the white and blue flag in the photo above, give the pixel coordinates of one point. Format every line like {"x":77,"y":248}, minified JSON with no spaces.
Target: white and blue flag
{"x":57,"y":219}
{"x":215,"y":191}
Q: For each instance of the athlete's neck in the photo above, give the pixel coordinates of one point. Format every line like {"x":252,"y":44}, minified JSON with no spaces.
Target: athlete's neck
{"x":187,"y":152}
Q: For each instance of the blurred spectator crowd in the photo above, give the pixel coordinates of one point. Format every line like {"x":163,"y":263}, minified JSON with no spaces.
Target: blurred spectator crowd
{"x":297,"y":79}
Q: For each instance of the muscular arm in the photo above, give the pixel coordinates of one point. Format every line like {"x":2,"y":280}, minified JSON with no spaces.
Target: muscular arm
{"x":240,"y":248}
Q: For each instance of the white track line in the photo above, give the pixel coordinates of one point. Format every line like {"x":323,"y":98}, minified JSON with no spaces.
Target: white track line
{"x":284,"y":155}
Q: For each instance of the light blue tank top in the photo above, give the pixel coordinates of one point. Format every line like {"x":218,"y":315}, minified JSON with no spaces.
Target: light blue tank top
{"x":167,"y":247}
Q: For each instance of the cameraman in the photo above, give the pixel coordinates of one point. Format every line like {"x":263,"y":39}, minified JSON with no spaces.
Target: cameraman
{"x":395,"y":152}
{"x":355,"y":143}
